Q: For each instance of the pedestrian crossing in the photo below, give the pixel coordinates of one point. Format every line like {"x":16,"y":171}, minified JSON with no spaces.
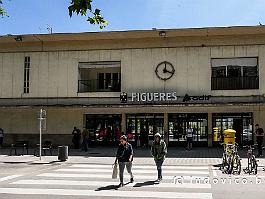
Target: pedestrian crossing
{"x":94,"y":180}
{"x":9,"y":177}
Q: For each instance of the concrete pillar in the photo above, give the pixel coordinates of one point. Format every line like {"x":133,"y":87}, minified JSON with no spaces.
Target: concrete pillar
{"x":123,"y":123}
{"x":210,"y":129}
{"x":166,"y":127}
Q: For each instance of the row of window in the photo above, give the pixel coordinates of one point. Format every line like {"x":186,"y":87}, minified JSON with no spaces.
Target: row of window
{"x":227,"y":74}
{"x":235,"y":73}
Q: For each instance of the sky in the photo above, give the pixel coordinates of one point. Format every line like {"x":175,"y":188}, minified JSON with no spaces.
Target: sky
{"x":35,"y":16}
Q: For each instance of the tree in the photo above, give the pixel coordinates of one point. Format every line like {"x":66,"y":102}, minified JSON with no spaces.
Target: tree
{"x":82,"y":7}
{"x":2,"y":10}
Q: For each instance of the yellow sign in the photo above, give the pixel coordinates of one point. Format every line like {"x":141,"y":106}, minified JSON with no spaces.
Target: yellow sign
{"x":215,"y":134}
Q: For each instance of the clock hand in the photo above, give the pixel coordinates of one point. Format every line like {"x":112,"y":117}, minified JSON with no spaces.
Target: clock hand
{"x":167,"y":71}
{"x":170,"y":72}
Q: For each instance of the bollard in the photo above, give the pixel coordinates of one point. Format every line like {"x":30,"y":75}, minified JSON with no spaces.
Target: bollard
{"x":62,"y":153}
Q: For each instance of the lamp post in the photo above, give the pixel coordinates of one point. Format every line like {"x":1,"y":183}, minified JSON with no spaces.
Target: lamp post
{"x":42,"y":123}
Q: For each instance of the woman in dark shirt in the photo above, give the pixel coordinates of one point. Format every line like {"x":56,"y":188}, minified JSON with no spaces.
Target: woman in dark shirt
{"x":125,"y":157}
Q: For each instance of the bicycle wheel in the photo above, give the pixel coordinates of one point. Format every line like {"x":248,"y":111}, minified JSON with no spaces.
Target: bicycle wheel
{"x":254,"y":165}
{"x":236,"y":165}
{"x":224,"y":163}
{"x":230,"y":164}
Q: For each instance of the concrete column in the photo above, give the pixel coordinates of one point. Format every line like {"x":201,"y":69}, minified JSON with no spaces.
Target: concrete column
{"x":123,"y":123}
{"x":210,"y":129}
{"x":166,"y":127}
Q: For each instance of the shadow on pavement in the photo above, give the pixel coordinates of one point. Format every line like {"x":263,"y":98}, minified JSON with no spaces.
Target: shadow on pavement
{"x":15,"y":162}
{"x":147,"y":183}
{"x":109,"y":187}
{"x":52,"y":162}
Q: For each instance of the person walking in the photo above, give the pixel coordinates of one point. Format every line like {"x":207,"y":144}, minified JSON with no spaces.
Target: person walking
{"x":1,"y":137}
{"x":260,"y":135}
{"x":159,"y":151}
{"x":124,"y":157}
{"x":189,"y":137}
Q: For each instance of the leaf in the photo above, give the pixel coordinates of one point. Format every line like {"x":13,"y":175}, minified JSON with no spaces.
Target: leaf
{"x":83,"y":7}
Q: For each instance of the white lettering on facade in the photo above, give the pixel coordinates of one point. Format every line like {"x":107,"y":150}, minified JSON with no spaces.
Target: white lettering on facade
{"x":149,"y":97}
{"x":174,"y":96}
{"x":162,"y":97}
{"x":156,"y":96}
{"x":133,"y":96}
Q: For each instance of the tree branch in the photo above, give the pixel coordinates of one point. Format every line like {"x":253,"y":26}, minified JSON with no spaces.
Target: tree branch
{"x":82,"y":6}
{"x":2,"y":10}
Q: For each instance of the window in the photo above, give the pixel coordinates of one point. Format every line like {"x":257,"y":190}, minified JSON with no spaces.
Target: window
{"x":26,"y":74}
{"x":99,"y":77}
{"x":240,"y":122}
{"x":235,"y":73}
{"x":104,"y":128}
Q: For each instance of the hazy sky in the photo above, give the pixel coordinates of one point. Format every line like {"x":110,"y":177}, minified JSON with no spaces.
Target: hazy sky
{"x":33,"y":16}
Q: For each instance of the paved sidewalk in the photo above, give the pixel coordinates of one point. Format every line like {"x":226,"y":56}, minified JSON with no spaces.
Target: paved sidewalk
{"x":105,"y":155}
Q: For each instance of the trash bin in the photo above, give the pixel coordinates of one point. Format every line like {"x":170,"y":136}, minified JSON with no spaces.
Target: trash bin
{"x":229,"y":136}
{"x":62,"y":153}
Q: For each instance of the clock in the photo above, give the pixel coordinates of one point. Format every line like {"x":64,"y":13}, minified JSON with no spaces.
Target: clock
{"x":164,"y":70}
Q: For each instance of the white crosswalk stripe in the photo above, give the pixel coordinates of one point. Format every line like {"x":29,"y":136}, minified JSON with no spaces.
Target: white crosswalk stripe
{"x":9,"y":177}
{"x":173,"y":172}
{"x":142,"y":167}
{"x":127,"y":194}
{"x":94,"y":180}
{"x":100,"y":183}
{"x":103,"y":176}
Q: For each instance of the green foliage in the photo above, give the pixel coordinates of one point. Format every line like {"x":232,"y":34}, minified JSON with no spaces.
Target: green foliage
{"x":82,"y":7}
{"x":2,"y":10}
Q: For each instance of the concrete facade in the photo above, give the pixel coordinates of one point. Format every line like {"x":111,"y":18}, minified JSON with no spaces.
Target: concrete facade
{"x":54,"y":75}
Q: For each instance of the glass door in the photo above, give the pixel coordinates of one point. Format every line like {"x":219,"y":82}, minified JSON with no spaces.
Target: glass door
{"x":240,"y":122}
{"x":142,"y":127}
{"x":178,"y":124}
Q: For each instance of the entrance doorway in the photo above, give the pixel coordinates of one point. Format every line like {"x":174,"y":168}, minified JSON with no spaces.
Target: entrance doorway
{"x":240,"y":122}
{"x":178,"y":124}
{"x":142,"y":127}
{"x":103,"y":129}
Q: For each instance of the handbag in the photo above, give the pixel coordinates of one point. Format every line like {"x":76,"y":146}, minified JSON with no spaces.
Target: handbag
{"x":115,"y":171}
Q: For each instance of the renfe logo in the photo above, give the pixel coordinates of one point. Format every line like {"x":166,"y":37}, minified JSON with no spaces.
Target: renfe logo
{"x":160,"y":97}
{"x":195,"y":98}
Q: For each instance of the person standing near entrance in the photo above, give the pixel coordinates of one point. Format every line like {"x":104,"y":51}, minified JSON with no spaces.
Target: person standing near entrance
{"x":189,"y":137}
{"x":124,"y":157}
{"x":1,"y":137}
{"x":144,"y":137}
{"x":260,"y":135}
{"x":85,"y":137}
{"x":159,"y":151}
{"x":76,"y":137}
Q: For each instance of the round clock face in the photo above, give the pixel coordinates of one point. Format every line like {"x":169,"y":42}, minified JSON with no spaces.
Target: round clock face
{"x":164,"y":70}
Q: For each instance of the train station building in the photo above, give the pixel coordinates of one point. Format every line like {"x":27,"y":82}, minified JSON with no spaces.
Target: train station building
{"x":134,"y":82}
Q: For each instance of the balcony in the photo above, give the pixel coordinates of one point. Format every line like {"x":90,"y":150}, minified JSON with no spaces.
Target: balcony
{"x":96,"y":85}
{"x":234,"y":83}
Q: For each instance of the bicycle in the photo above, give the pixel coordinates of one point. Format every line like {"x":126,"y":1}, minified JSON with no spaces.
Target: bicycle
{"x":231,"y":160}
{"x":252,"y":161}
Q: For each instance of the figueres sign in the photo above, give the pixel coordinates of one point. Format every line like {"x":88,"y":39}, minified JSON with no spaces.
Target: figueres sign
{"x":160,"y":97}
